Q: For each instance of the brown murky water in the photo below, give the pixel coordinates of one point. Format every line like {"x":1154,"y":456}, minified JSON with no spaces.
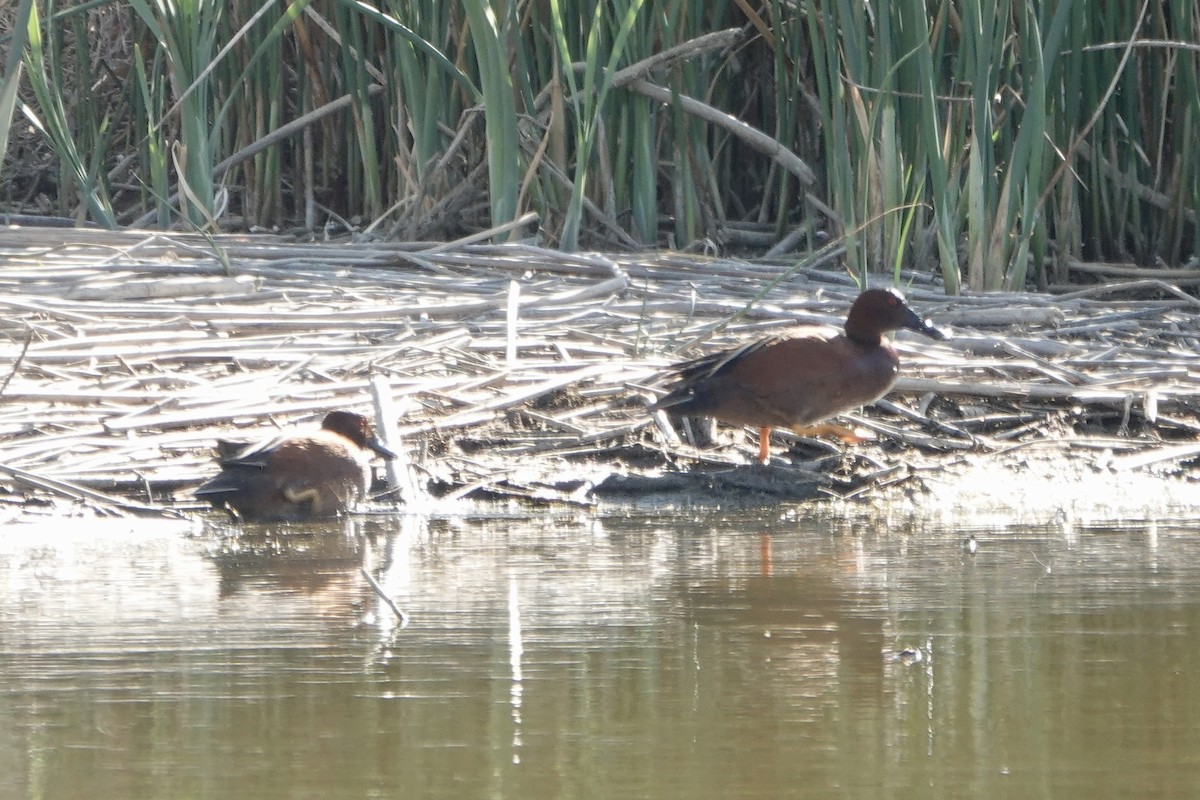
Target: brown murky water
{"x":670,"y":654}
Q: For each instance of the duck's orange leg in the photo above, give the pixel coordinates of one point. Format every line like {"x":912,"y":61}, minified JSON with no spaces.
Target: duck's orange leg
{"x":846,"y":434}
{"x":764,"y":445}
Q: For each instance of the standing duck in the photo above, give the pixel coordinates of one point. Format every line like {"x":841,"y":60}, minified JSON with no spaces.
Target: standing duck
{"x":298,"y":476}
{"x":798,"y":379}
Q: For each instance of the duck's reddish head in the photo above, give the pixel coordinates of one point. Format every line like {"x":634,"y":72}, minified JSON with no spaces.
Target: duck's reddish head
{"x":877,"y":311}
{"x":357,"y":429}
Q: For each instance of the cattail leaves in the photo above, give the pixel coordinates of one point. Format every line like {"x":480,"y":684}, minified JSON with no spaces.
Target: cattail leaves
{"x":490,"y":34}
{"x":997,"y":144}
{"x":10,"y":80}
{"x":78,"y":166}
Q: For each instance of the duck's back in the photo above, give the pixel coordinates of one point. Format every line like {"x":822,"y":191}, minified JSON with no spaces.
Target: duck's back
{"x":297,"y":478}
{"x":787,"y":381}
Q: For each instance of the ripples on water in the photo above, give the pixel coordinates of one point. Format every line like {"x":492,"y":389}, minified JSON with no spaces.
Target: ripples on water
{"x":669,"y":654}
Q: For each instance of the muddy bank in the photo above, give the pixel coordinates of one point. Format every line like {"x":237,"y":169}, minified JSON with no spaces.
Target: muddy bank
{"x":520,"y":374}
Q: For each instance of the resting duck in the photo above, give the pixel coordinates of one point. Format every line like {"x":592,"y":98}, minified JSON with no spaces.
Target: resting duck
{"x":798,"y":379}
{"x":298,"y":476}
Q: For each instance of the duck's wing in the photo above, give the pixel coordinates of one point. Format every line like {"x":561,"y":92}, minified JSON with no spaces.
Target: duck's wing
{"x":254,"y":455}
{"x":710,"y":366}
{"x":698,"y":376}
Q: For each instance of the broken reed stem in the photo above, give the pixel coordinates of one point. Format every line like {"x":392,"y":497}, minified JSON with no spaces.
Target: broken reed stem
{"x":70,"y":491}
{"x":16,"y":367}
{"x":375,"y":587}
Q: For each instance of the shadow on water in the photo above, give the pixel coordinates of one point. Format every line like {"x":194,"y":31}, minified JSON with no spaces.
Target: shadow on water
{"x":668,"y":654}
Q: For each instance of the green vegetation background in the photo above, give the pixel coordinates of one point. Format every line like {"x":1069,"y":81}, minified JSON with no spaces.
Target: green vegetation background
{"x":996,"y":142}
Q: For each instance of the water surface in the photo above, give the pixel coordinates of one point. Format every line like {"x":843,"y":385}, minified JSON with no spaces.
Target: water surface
{"x":690,"y":654}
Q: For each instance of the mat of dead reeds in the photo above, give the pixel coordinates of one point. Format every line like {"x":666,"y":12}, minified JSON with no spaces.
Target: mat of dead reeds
{"x":518,"y":372}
